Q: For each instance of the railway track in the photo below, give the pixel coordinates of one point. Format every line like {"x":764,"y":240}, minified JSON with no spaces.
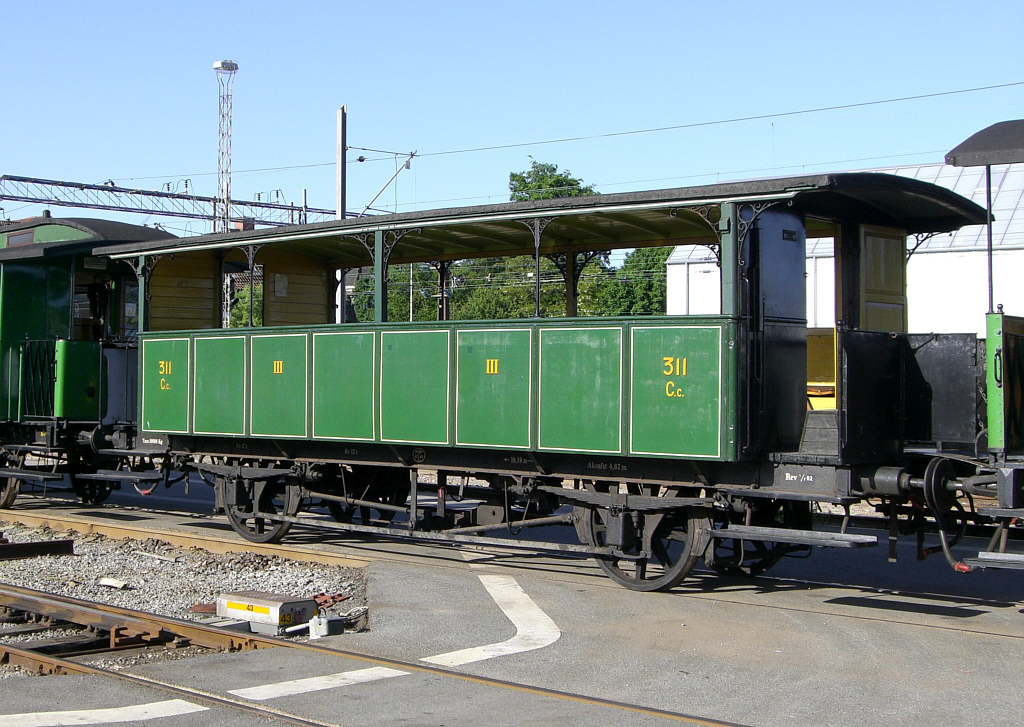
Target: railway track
{"x":60,"y":519}
{"x":125,"y":627}
{"x":354,"y":551}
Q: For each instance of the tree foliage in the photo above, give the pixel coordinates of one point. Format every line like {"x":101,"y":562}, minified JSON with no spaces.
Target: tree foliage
{"x":544,"y":181}
{"x":640,"y":286}
{"x":240,"y":308}
{"x":503,"y":288}
{"x":423,"y":289}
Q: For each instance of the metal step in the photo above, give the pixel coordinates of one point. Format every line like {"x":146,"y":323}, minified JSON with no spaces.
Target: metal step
{"x":800,"y":537}
{"x":122,"y":476}
{"x":33,"y":449}
{"x":986,"y":559}
{"x":31,"y":475}
{"x":130,"y":453}
{"x":1001,"y":512}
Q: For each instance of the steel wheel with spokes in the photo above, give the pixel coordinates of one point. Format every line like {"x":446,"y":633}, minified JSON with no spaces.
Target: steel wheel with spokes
{"x":246,"y":506}
{"x":667,"y":545}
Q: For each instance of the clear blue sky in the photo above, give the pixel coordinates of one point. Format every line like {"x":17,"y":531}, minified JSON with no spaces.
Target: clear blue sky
{"x":125,"y":91}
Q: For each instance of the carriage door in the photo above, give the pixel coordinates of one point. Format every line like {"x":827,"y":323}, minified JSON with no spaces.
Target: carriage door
{"x":869,"y":357}
{"x":883,"y":277}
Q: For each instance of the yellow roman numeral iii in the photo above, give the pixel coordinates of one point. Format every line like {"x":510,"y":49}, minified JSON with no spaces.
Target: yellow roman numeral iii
{"x":279,"y":367}
{"x":492,"y":365}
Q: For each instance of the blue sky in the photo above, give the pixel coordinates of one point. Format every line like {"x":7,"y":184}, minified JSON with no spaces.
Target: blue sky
{"x":125,"y":91}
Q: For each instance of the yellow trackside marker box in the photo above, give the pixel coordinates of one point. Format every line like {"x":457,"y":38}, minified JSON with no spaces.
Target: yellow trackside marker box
{"x":267,"y":613}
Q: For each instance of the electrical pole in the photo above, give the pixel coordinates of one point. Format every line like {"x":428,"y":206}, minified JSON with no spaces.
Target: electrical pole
{"x":225,"y":80}
{"x":340,"y":163}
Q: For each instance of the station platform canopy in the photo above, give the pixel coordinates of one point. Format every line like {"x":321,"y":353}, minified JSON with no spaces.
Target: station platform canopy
{"x":679,"y":216}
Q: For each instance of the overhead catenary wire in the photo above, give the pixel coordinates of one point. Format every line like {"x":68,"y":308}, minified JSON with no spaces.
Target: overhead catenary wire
{"x":612,"y":134}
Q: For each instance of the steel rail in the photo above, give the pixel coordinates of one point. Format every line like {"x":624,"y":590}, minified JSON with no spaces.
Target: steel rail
{"x":57,"y":665}
{"x":214,"y":544}
{"x":122,"y":621}
{"x":442,"y":537}
{"x":47,"y":664}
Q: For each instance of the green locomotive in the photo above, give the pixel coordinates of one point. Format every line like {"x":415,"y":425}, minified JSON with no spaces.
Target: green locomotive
{"x":663,"y":439}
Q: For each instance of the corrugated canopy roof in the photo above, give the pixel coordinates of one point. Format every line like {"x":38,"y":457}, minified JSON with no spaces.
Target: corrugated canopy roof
{"x":600,"y":222}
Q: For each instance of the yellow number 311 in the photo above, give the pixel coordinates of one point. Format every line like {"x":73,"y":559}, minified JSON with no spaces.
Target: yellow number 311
{"x":674,"y":366}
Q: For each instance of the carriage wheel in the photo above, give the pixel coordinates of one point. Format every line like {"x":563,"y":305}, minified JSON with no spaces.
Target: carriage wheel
{"x":90,"y":492}
{"x":10,"y":490}
{"x":675,"y":539}
{"x":271,"y":498}
{"x":12,"y":485}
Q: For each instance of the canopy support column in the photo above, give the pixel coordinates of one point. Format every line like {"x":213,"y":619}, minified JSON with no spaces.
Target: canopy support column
{"x":988,"y":214}
{"x":380,"y":282}
{"x":384,"y":242}
{"x":537,"y":226}
{"x":250,"y":256}
{"x":443,"y":303}
{"x":143,"y":268}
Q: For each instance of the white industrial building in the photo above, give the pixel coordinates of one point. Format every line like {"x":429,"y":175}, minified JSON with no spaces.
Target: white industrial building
{"x":947,"y":275}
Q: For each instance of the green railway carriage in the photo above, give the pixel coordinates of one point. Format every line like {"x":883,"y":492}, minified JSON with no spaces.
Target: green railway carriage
{"x":663,"y":439}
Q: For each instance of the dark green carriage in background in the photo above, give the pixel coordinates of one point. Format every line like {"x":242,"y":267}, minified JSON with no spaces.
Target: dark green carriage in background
{"x":68,"y":320}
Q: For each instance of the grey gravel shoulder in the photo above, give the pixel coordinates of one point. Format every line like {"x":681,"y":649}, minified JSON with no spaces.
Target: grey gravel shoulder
{"x":165,"y":579}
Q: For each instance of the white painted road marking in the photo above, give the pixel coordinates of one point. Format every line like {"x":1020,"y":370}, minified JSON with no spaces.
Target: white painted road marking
{"x":534,"y":628}
{"x":315,"y":684}
{"x":137,"y":713}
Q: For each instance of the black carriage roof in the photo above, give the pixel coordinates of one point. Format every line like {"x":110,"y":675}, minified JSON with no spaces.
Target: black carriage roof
{"x":84,"y":234}
{"x":599,"y":222}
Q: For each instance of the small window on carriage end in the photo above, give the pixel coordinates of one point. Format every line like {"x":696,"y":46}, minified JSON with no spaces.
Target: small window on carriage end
{"x":89,"y":307}
{"x":20,"y":238}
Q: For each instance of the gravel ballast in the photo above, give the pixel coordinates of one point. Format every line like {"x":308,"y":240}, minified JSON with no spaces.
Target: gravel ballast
{"x":165,"y":579}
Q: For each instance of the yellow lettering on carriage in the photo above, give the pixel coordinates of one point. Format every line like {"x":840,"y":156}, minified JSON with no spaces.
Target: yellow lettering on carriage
{"x":673,"y":366}
{"x":492,"y":366}
{"x":279,"y":367}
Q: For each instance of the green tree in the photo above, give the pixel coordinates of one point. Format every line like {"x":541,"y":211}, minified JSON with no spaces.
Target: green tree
{"x":489,"y":288}
{"x":424,"y":290}
{"x":640,"y":286}
{"x":544,"y":181}
{"x":240,"y":310}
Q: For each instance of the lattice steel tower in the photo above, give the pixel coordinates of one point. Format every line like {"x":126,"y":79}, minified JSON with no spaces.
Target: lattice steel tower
{"x":225,"y":79}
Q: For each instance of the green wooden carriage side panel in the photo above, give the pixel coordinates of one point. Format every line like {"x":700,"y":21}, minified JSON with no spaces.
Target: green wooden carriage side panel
{"x":343,"y":393}
{"x":581,"y":390}
{"x":414,"y":386}
{"x":219,"y":385}
{"x":279,"y":372}
{"x":165,"y":373}
{"x":1004,"y":351}
{"x":493,"y":388}
{"x":77,"y":372}
{"x":675,"y":406}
